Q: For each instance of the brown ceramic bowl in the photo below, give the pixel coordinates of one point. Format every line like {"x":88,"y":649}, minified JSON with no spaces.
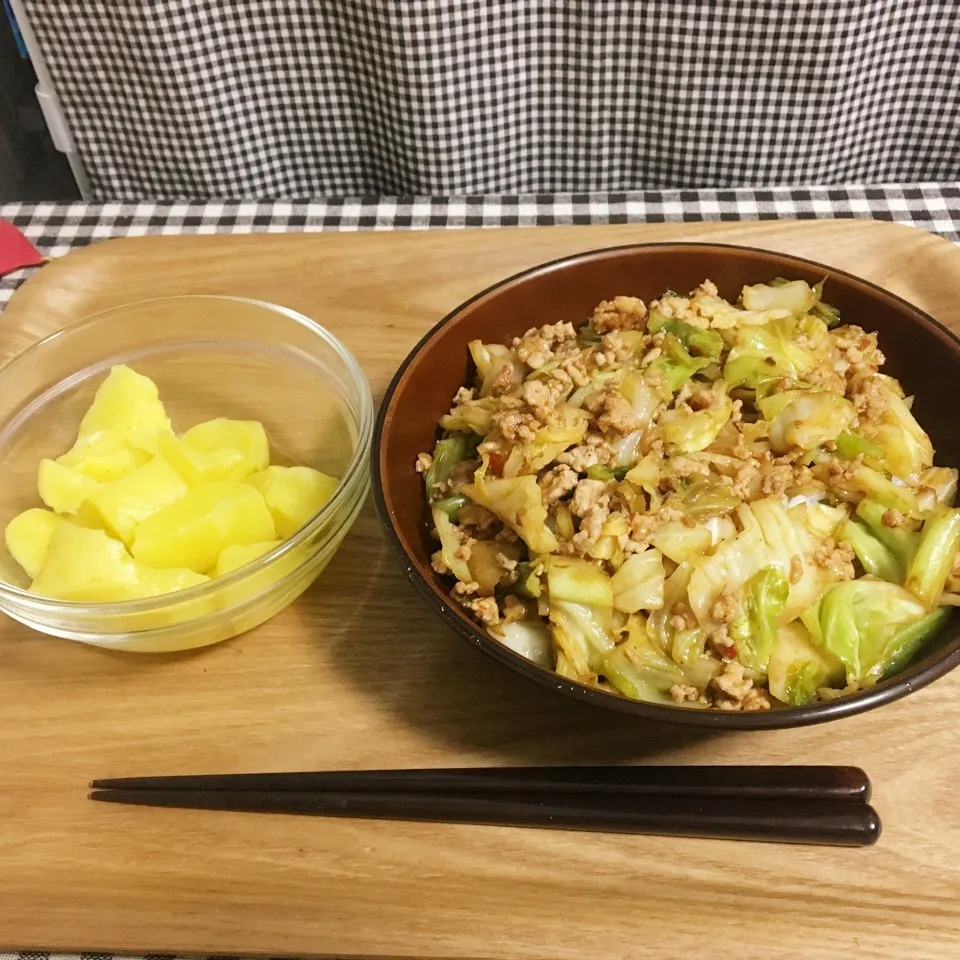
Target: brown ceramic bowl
{"x":920,"y":352}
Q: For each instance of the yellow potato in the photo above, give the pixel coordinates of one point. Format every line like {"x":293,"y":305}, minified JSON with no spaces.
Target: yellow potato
{"x":64,"y":489}
{"x":122,"y":505}
{"x":245,"y":436}
{"x":103,"y":456}
{"x":88,"y":566}
{"x":28,"y":537}
{"x":193,"y":531}
{"x":294,"y":495}
{"x":235,"y":556}
{"x":202,"y":466}
{"x":125,"y":403}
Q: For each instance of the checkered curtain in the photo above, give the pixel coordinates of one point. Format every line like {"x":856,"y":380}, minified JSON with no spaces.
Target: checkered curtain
{"x":299,"y":98}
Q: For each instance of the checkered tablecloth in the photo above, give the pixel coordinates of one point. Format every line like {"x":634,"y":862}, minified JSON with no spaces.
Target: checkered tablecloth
{"x":59,"y":228}
{"x":56,"y":229}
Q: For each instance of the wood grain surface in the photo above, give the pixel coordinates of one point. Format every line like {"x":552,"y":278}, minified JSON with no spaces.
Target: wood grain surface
{"x":359,"y":674}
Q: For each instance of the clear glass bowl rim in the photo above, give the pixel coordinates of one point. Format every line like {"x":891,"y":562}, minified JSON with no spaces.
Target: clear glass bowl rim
{"x":352,"y":483}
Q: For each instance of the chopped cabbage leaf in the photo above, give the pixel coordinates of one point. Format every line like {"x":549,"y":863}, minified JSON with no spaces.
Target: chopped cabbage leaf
{"x":794,"y":296}
{"x":446,"y":455}
{"x":491,"y":360}
{"x":474,"y":416}
{"x":449,"y":543}
{"x":875,"y":557}
{"x":675,"y":366}
{"x":638,"y":584}
{"x":798,"y":667}
{"x":584,"y":634}
{"x":570,"y":578}
{"x":931,"y":564}
{"x":900,"y":542}
{"x":698,"y":342}
{"x":906,"y":448}
{"x":764,"y":597}
{"x":678,"y":542}
{"x":812,"y":419}
{"x":530,"y":640}
{"x":859,"y":623}
{"x":518,"y":503}
{"x":690,"y":431}
{"x":772,"y":536}
{"x":639,"y":670}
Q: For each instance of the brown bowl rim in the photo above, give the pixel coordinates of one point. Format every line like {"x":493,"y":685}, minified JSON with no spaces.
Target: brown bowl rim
{"x":920,"y":675}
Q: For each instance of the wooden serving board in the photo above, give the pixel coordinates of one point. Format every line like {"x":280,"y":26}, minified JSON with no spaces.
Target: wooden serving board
{"x":358,"y":674}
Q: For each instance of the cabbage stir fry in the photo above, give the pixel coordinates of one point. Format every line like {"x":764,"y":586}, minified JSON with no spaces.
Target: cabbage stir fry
{"x":697,"y":502}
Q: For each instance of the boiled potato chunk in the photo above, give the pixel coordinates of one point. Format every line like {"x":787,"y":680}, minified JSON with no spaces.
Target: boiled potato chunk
{"x":63,"y":488}
{"x":193,"y":531}
{"x":125,"y":403}
{"x":233,"y":557}
{"x":294,"y":495}
{"x":247,"y":437}
{"x":124,"y":504}
{"x":202,"y":466}
{"x":28,"y":537}
{"x":103,"y":456}
{"x":86,"y":565}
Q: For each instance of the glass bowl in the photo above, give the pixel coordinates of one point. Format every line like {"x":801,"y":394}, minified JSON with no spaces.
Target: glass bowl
{"x":210,"y":356}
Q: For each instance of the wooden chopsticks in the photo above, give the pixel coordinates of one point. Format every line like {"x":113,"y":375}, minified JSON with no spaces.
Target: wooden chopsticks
{"x":816,"y":804}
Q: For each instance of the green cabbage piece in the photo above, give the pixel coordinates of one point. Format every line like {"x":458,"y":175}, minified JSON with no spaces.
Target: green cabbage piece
{"x":690,"y":431}
{"x":490,"y":359}
{"x":810,"y":420}
{"x":771,"y":536}
{"x":930,"y":565}
{"x":472,"y":416}
{"x":449,"y":543}
{"x":795,"y":296}
{"x":900,"y":542}
{"x":446,"y":455}
{"x":584,"y":634}
{"x":675,"y":365}
{"x":764,"y":597}
{"x":699,"y":342}
{"x":764,"y":353}
{"x":641,"y":671}
{"x":798,"y":667}
{"x":678,"y":542}
{"x":875,"y":557}
{"x":906,"y":448}
{"x":579,"y":581}
{"x":518,"y":503}
{"x":850,"y":445}
{"x":530,"y":640}
{"x":861,"y":624}
{"x":639,"y":583}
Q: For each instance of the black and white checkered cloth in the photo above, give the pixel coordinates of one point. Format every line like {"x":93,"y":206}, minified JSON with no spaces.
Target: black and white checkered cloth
{"x":296,"y":98}
{"x":57,"y":229}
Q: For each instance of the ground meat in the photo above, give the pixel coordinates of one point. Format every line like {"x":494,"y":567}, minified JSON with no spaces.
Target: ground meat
{"x":826,"y":376}
{"x":869,"y":398}
{"x":533,"y":350}
{"x":556,"y":483}
{"x":465,"y":550}
{"x":727,"y":606}
{"x":503,"y":382}
{"x":485,"y":609}
{"x":424,"y":462}
{"x":584,"y":456}
{"x":438,"y":563}
{"x":733,"y":690}
{"x":463,"y":395}
{"x":587,"y":495}
{"x":505,"y":563}
{"x":585,"y":539}
{"x":678,"y":307}
{"x":621,"y":313}
{"x":513,"y":609}
{"x":461,"y":589}
{"x":540,"y":397}
{"x":835,"y":557}
{"x":720,"y":642}
{"x":613,"y":347}
{"x":516,"y":426}
{"x":681,"y":693}
{"x":893,"y":518}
